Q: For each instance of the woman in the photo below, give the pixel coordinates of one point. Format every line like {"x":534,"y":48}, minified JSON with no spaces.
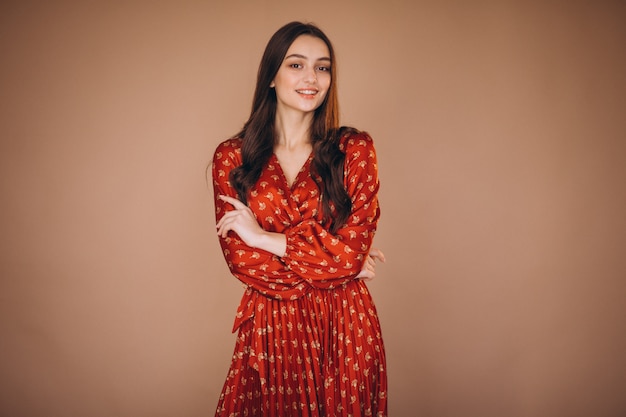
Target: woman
{"x":296,"y":208}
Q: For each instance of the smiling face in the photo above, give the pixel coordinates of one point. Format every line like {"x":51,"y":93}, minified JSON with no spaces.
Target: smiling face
{"x":304,"y":76}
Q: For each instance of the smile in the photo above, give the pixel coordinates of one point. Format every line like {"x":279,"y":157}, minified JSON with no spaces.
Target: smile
{"x":307,"y":92}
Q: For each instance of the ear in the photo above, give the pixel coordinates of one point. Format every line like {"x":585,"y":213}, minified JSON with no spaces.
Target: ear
{"x":272,"y":84}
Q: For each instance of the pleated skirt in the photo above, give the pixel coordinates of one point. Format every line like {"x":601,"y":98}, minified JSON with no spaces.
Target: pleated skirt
{"x":319,"y":355}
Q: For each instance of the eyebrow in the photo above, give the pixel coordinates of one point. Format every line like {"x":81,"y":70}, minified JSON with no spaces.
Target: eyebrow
{"x":304,"y":57}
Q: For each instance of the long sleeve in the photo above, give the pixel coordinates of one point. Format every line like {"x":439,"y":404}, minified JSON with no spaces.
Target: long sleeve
{"x":326,"y":260}
{"x":256,"y":268}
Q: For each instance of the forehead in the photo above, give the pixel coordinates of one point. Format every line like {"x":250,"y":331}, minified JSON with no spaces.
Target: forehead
{"x":308,"y":46}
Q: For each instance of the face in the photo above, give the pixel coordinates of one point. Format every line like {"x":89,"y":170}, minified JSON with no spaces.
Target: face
{"x":303,"y":78}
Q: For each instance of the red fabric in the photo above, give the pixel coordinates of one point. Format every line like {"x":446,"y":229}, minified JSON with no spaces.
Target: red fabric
{"x":309,"y":341}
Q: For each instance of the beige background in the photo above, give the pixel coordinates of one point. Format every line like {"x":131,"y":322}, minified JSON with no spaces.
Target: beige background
{"x":501,"y":135}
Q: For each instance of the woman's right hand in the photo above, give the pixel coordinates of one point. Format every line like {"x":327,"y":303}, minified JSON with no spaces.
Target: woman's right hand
{"x":368,"y":272}
{"x":241,"y":220}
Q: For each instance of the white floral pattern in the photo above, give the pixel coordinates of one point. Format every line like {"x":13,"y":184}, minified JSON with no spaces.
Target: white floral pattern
{"x":309,"y":340}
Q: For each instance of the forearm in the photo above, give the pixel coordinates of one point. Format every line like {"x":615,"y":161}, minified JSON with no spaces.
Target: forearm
{"x":275,"y":243}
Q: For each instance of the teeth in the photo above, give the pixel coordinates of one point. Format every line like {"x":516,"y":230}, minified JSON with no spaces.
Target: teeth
{"x":307,"y":91}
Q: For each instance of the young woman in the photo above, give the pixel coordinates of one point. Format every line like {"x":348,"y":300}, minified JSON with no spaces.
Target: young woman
{"x":296,"y":207}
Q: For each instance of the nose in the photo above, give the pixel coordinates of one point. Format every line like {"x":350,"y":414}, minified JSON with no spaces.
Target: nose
{"x":310,"y":75}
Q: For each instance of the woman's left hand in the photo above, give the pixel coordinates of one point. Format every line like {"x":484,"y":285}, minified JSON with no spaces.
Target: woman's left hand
{"x":240,"y":220}
{"x":368,"y":272}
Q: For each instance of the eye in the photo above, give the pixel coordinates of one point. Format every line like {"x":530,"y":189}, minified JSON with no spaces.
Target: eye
{"x":294,"y":65}
{"x":325,"y":69}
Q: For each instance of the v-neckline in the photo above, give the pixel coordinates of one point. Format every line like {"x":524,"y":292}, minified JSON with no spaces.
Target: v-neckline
{"x":290,"y":187}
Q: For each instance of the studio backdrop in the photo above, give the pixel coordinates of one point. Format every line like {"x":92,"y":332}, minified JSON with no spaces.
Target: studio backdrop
{"x":500,"y":134}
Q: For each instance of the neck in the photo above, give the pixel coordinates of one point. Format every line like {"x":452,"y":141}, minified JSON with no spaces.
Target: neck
{"x":293,"y":129}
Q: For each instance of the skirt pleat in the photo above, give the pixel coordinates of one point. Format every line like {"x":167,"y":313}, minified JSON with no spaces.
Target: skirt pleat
{"x":319,"y":355}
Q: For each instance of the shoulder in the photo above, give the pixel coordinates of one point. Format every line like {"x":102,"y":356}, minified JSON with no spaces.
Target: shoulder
{"x":229,"y":145}
{"x":359,"y":149}
{"x":354,"y":141}
{"x":228,"y":152}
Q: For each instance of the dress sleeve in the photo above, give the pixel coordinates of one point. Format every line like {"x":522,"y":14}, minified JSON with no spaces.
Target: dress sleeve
{"x":324,"y":259}
{"x":256,"y":268}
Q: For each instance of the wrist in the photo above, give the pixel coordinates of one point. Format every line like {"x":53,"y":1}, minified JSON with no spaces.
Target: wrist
{"x":275,"y":243}
{"x":260,"y":240}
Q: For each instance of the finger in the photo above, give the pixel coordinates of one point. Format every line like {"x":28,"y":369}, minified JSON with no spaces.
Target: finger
{"x":223,"y":229}
{"x":226,"y":224}
{"x":228,"y":216}
{"x":377,"y":254}
{"x":368,"y":276}
{"x":368,"y":268}
{"x":365,"y":275}
{"x":236,"y":203}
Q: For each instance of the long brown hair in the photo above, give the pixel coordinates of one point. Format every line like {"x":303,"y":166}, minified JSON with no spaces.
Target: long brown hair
{"x":258,"y":133}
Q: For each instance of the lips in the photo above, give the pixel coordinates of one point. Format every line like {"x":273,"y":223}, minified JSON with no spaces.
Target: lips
{"x":307,"y":92}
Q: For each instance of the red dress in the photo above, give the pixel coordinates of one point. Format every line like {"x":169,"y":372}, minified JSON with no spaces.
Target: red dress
{"x":309,"y":340}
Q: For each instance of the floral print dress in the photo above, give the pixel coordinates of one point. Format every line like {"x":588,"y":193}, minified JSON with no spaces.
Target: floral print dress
{"x":309,"y":341}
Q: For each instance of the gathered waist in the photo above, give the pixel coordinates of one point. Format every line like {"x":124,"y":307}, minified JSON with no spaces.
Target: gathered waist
{"x":254,"y":303}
